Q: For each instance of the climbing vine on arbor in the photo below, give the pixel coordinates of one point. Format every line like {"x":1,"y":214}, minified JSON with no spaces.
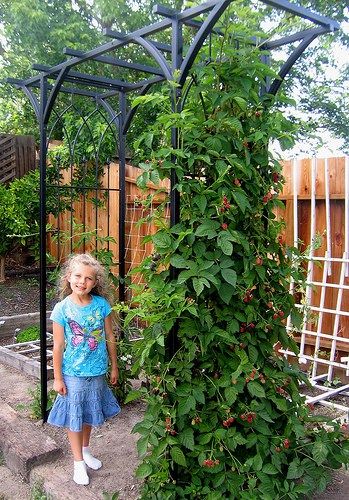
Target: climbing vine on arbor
{"x":224,"y":416}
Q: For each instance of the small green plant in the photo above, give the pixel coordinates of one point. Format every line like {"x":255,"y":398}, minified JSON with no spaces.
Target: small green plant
{"x":333,"y":383}
{"x":35,"y":405}
{"x":38,"y":492}
{"x":2,"y":458}
{"x":28,"y":334}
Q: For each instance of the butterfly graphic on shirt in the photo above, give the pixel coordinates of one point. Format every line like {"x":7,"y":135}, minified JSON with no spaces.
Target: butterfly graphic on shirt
{"x":80,"y":334}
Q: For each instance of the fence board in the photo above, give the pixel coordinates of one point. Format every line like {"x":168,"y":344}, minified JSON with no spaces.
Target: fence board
{"x":329,"y":221}
{"x":17,"y":156}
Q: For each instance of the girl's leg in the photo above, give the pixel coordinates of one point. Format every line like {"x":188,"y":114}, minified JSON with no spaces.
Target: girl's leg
{"x":80,"y":473}
{"x":75,"y":440}
{"x":90,"y":460}
{"x":86,"y":433}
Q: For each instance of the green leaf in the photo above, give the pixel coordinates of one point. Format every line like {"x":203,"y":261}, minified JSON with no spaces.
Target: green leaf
{"x":241,"y":200}
{"x":255,"y":389}
{"x":201,"y":201}
{"x":133,"y":395}
{"x":185,"y":405}
{"x":230,"y":276}
{"x":240,"y":102}
{"x":253,"y":354}
{"x":207,"y":228}
{"x":162,"y":240}
{"x":257,"y":462}
{"x":142,"y":446}
{"x":270,"y":469}
{"x":233,"y":326}
{"x":225,"y":291}
{"x":143,"y":471}
{"x":295,"y":470}
{"x":179,"y":262}
{"x":178,"y":456}
{"x":230,"y":394}
{"x":198,"y":285}
{"x":319,"y":452}
{"x":186,"y":438}
{"x":199,"y":395}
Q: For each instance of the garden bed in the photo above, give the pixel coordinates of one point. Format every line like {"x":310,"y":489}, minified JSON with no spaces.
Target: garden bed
{"x":25,"y":356}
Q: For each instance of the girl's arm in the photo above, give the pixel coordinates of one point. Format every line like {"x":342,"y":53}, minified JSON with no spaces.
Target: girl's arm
{"x":58,"y":348}
{"x":111,"y":346}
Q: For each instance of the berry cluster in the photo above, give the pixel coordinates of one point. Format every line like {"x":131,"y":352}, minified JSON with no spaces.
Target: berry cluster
{"x":248,"y":296}
{"x":225,"y":205}
{"x":247,"y":327}
{"x":228,"y":422}
{"x":248,"y":416}
{"x":267,"y":197}
{"x":168,"y":426}
{"x":251,"y":376}
{"x":210,"y":463}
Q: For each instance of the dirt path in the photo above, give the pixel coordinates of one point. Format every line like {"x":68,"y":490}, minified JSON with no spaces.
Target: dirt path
{"x":113,"y":444}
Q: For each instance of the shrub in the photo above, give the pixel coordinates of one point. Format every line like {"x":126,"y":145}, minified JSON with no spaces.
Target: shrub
{"x":224,"y":417}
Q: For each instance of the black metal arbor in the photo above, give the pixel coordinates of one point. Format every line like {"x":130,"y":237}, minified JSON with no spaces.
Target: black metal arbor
{"x":172,"y":62}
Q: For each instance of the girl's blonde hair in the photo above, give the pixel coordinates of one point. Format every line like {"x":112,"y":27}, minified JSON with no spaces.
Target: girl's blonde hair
{"x":102,"y":286}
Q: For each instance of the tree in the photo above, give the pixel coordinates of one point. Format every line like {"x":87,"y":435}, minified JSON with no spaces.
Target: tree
{"x":19,"y":216}
{"x":38,"y":30}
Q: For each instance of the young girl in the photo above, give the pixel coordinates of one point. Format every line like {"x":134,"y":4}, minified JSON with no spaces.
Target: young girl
{"x":82,"y":340}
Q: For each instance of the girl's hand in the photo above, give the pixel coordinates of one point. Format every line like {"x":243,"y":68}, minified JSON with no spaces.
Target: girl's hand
{"x":59,"y":386}
{"x":114,"y":375}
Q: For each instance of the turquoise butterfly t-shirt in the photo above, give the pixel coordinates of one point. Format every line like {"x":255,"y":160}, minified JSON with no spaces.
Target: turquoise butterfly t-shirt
{"x":85,"y":353}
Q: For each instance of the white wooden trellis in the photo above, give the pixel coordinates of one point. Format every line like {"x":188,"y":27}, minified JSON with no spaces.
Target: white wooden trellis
{"x":322,"y":370}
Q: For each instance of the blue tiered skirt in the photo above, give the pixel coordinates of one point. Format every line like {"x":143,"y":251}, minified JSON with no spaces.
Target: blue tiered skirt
{"x":89,"y":401}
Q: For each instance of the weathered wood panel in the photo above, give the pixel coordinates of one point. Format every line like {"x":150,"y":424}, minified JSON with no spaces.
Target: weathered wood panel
{"x":17,"y":156}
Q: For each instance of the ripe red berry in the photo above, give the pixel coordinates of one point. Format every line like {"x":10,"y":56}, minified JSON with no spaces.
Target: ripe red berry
{"x":276,"y":177}
{"x":224,"y":226}
{"x":275,"y":316}
{"x":265,"y":199}
{"x":281,"y":314}
{"x":286,"y":443}
{"x":259,"y":261}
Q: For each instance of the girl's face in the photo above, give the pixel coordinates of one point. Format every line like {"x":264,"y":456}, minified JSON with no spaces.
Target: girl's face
{"x":82,"y":279}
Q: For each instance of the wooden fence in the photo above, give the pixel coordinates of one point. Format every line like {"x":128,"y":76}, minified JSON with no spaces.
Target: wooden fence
{"x":17,"y":156}
{"x":87,"y":215}
{"x":316,"y":208}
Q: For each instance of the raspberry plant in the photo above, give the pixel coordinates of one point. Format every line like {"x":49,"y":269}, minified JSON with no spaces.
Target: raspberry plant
{"x":224,"y":416}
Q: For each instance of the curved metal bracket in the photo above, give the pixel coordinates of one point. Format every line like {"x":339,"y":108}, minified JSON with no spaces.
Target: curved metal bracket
{"x":274,"y":87}
{"x":199,"y":39}
{"x":156,"y":54}
{"x":115,"y":118}
{"x":132,"y":112}
{"x":54,"y":92}
{"x":33,"y":100}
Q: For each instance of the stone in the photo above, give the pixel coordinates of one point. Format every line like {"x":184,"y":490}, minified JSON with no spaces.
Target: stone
{"x":23,"y":444}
